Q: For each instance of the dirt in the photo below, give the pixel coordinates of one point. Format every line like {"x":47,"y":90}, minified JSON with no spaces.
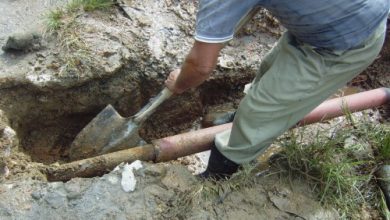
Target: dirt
{"x":377,"y":74}
{"x":162,"y":192}
{"x":121,"y":56}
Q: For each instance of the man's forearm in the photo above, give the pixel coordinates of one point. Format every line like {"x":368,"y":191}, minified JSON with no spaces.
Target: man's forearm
{"x":191,"y":76}
{"x":198,"y":65}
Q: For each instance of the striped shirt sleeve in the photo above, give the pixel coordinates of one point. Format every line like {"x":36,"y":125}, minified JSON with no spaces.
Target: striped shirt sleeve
{"x":216,"y":19}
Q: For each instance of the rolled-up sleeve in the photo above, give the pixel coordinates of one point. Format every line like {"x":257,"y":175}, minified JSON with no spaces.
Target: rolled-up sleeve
{"x":216,"y":19}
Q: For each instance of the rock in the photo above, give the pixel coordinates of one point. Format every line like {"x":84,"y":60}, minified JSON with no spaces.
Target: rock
{"x":299,"y":205}
{"x":23,"y":42}
{"x":128,"y":181}
{"x":37,"y":195}
{"x":8,"y":142}
{"x":155,"y":170}
{"x":178,"y":177}
{"x":56,"y":199}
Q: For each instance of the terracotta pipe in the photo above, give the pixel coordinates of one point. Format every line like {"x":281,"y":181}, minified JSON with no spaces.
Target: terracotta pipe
{"x":180,"y":145}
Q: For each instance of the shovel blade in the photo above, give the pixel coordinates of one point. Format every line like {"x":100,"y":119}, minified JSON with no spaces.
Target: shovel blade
{"x":107,"y":132}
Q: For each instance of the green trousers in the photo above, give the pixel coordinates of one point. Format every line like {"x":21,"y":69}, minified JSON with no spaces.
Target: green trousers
{"x":293,"y":79}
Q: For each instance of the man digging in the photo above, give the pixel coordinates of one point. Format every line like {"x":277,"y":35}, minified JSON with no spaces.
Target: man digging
{"x":327,"y":44}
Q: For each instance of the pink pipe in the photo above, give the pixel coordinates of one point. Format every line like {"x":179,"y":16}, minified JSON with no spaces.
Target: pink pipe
{"x":180,"y":145}
{"x":173,"y":147}
{"x":357,"y":102}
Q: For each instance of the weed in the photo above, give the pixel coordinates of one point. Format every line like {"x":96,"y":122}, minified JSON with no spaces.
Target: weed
{"x":381,"y":139}
{"x":75,"y":54}
{"x":54,"y":19}
{"x":210,"y":192}
{"x":73,"y":6}
{"x":90,"y":5}
{"x":383,"y":207}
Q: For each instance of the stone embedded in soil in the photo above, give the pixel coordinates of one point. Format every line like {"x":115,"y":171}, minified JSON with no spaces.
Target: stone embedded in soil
{"x":56,"y":199}
{"x":174,"y":178}
{"x":299,"y":205}
{"x":8,"y":143}
{"x":23,"y":42}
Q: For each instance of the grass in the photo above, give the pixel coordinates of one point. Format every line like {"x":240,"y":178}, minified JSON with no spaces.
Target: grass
{"x":383,"y":207}
{"x":59,"y":17}
{"x":54,"y":19}
{"x":75,"y":55}
{"x":340,"y":171}
{"x":89,"y":5}
{"x":210,"y":192}
{"x":381,"y":140}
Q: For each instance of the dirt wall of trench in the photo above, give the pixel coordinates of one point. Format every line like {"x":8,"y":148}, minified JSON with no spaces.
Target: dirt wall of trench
{"x":121,"y":57}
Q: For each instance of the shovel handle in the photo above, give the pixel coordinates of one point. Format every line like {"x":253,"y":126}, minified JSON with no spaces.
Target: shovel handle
{"x":150,"y":108}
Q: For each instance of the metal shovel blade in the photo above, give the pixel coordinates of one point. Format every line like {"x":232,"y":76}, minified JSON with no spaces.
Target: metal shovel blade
{"x":107,"y":132}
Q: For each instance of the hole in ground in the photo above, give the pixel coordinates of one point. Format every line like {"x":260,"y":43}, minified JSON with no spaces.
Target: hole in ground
{"x":47,"y":138}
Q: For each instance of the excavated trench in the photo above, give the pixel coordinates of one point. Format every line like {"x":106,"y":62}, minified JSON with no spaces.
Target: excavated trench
{"x":130,"y":55}
{"x":47,"y":121}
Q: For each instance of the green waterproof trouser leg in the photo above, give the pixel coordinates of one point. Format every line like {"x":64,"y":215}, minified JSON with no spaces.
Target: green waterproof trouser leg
{"x":292,"y":80}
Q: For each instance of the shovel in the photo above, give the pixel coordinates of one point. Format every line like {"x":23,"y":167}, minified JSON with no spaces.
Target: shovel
{"x":109,"y":131}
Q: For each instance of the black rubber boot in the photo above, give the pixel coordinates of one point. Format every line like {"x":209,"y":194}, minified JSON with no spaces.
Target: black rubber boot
{"x":219,"y":167}
{"x":226,"y":118}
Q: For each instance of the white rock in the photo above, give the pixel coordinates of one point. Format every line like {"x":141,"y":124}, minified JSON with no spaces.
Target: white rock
{"x":128,"y":181}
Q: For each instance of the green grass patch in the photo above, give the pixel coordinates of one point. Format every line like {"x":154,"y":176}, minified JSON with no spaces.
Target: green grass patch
{"x":381,"y":139}
{"x":339,"y":163}
{"x":58,"y":18}
{"x":54,"y":19}
{"x":89,"y":5}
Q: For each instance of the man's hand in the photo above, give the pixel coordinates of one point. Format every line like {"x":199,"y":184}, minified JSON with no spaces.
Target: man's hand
{"x":170,"y":82}
{"x":197,"y":67}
